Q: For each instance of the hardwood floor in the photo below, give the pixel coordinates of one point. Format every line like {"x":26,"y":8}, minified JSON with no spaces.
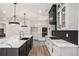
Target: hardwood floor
{"x":39,"y":49}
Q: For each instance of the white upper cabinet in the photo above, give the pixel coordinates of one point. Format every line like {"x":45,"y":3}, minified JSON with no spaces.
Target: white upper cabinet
{"x":67,"y":16}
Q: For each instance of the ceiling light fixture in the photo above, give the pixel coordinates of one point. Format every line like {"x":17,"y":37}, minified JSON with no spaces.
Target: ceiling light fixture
{"x":14,"y":19}
{"x":40,"y":11}
{"x":24,"y":25}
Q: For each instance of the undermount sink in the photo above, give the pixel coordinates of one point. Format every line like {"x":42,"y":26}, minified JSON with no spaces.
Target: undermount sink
{"x":53,"y":37}
{"x":24,"y":38}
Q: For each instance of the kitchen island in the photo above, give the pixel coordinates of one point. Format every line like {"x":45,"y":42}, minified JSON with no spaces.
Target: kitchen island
{"x":13,"y":46}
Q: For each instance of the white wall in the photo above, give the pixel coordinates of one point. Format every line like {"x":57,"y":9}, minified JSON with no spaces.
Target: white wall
{"x":39,"y":24}
{"x":73,"y":16}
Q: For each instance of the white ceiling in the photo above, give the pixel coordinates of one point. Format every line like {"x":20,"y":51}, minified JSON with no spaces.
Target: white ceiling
{"x":31,"y":9}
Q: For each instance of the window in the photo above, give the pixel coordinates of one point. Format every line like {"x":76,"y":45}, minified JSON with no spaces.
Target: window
{"x":58,"y":21}
{"x":58,"y":6}
{"x":63,"y":17}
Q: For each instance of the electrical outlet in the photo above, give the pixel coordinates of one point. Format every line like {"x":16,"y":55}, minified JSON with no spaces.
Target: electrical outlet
{"x":67,"y":35}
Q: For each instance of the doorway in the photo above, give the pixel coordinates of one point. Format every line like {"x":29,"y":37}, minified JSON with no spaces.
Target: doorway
{"x":34,"y":32}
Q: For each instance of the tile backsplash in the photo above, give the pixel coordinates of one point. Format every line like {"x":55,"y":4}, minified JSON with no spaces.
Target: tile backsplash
{"x":68,"y":35}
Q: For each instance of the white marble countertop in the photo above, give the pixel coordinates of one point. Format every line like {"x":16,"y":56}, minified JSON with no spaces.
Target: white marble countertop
{"x":28,"y":36}
{"x":12,"y":42}
{"x":63,"y":43}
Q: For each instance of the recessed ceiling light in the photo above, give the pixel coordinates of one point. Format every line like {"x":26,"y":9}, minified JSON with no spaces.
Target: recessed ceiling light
{"x":40,"y":11}
{"x":3,"y":11}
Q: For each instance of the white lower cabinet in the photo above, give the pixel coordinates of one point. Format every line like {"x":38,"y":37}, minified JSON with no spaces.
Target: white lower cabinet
{"x":55,"y":50}
{"x":69,"y":51}
{"x":78,"y":51}
{"x":50,"y":48}
{"x":48,"y":44}
{"x":64,"y":51}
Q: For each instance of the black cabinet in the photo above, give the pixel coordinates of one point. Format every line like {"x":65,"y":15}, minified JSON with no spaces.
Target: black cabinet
{"x":52,"y":15}
{"x":44,"y":31}
{"x":31,"y":42}
{"x":44,"y":34}
{"x":2,"y":34}
{"x":22,"y":50}
{"x":2,"y":52}
{"x":27,"y":46}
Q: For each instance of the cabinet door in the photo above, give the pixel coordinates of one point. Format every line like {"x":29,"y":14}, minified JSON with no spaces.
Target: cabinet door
{"x":78,"y":51}
{"x":58,"y":21}
{"x":52,"y":15}
{"x":50,"y":48}
{"x":31,"y":42}
{"x":61,"y":17}
{"x":2,"y":51}
{"x":28,"y":46}
{"x":69,"y":51}
{"x":23,"y":50}
{"x":46,"y":41}
{"x":55,"y":51}
{"x":12,"y":52}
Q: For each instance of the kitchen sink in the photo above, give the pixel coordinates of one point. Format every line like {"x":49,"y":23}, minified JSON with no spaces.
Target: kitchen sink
{"x":54,"y":38}
{"x":24,"y":38}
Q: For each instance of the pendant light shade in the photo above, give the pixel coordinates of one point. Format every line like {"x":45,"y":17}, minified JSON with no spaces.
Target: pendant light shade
{"x":24,"y":25}
{"x":14,"y":19}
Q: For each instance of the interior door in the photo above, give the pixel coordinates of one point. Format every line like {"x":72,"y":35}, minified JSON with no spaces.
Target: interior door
{"x":34,"y":32}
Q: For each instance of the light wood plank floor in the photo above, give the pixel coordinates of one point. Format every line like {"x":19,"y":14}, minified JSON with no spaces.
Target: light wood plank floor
{"x":39,"y":49}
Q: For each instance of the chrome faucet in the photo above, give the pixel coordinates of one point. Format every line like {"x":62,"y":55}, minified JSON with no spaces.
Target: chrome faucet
{"x":21,"y":33}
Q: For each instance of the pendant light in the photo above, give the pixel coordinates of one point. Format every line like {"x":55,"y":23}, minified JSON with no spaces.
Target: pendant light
{"x":14,"y":19}
{"x":24,"y":25}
